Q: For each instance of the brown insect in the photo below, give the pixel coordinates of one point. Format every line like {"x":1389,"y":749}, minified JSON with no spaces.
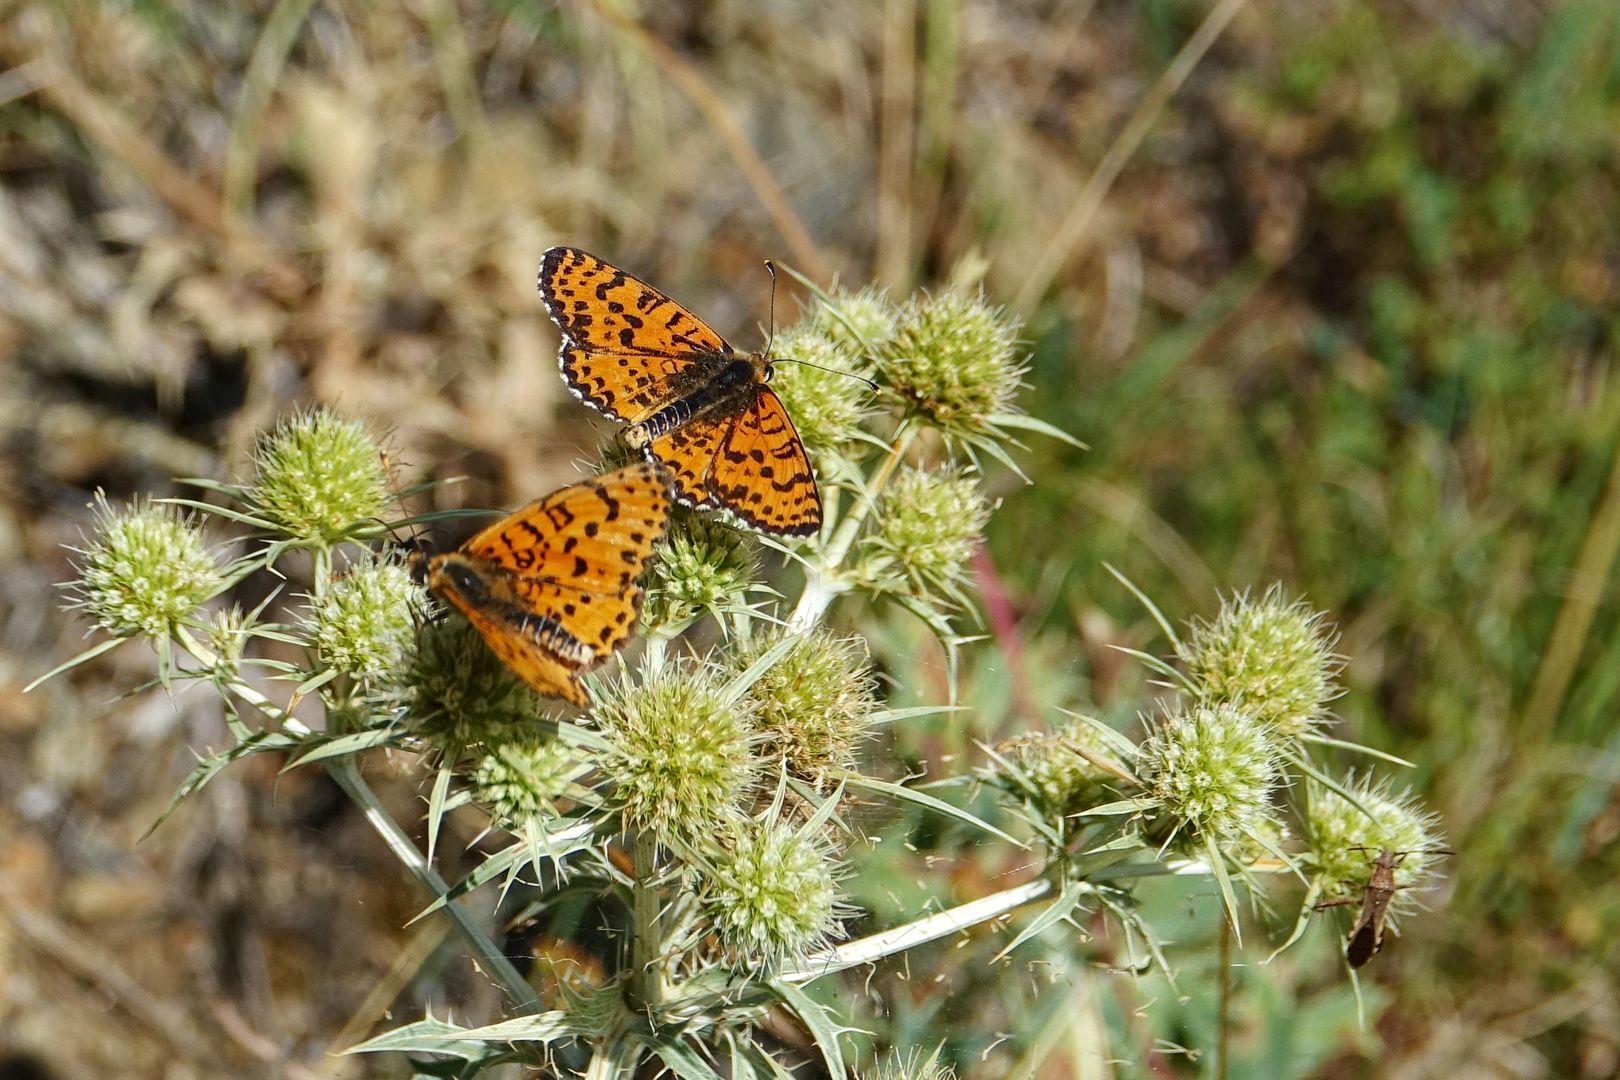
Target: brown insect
{"x":1367,"y":933}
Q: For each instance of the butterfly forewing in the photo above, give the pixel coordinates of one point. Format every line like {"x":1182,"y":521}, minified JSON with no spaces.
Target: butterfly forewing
{"x":627,"y":350}
{"x":553,"y":587}
{"x":638,"y":356}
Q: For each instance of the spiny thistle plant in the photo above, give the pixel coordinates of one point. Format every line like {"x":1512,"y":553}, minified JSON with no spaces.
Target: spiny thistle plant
{"x":705,"y":791}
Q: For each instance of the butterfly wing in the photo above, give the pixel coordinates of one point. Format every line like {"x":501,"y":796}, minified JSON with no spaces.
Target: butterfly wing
{"x":530,"y":661}
{"x":688,"y":452}
{"x":627,"y":349}
{"x":553,"y":587}
{"x":762,"y":473}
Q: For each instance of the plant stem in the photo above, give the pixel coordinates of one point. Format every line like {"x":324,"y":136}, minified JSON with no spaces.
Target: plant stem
{"x":821,"y":585}
{"x":866,"y":950}
{"x":1223,"y":1064}
{"x":616,"y":1056}
{"x":487,"y":954}
{"x":647,"y":977}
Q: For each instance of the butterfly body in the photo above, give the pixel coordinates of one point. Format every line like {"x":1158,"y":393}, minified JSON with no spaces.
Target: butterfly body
{"x":554,"y":587}
{"x":691,"y":402}
{"x":727,"y":387}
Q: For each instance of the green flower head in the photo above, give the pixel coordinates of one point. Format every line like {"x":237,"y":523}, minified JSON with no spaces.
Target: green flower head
{"x":927,"y":527}
{"x":703,"y":565}
{"x":953,"y":360}
{"x":319,"y":476}
{"x":1057,"y":774}
{"x":520,"y":781}
{"x":455,"y":693}
{"x":146,"y":568}
{"x":824,"y":391}
{"x":814,"y":706}
{"x":1211,"y":770}
{"x":858,"y":321}
{"x":679,"y":755}
{"x":1345,"y":838}
{"x":1273,"y":656}
{"x":771,"y":892}
{"x":363,"y":623}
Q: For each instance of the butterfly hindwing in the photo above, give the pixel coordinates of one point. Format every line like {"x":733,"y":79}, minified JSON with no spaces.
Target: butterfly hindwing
{"x":762,"y":473}
{"x":553,"y":588}
{"x":627,"y":349}
{"x":688,"y":453}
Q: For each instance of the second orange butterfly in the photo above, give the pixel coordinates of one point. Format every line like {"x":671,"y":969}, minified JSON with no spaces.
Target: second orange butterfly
{"x":692,"y":402}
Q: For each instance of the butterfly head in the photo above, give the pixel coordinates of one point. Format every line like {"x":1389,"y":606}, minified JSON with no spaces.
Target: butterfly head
{"x":453,"y":576}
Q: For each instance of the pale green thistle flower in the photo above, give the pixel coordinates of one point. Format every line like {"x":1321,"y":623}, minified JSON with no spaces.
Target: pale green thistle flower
{"x":815,"y":704}
{"x":927,"y":526}
{"x":453,"y":691}
{"x":318,"y":476}
{"x":1211,"y":770}
{"x":363,"y":623}
{"x":703,"y":565}
{"x":771,"y":892}
{"x":679,"y":755}
{"x":1061,"y":779}
{"x":520,"y":781}
{"x":1344,"y":840}
{"x":147,"y":568}
{"x":952,"y":358}
{"x":824,"y":393}
{"x":856,"y":320}
{"x":1273,"y":656}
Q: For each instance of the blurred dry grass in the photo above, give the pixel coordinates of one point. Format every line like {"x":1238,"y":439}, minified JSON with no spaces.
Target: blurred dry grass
{"x":210,"y":212}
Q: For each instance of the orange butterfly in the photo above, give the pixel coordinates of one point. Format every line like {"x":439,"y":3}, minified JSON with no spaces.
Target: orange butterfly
{"x":553,"y":587}
{"x":693,"y":403}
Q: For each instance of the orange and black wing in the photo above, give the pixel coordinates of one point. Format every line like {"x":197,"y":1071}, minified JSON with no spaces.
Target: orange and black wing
{"x":688,"y":452}
{"x":762,"y":473}
{"x":627,"y":349}
{"x":554,"y":587}
{"x":528,"y":659}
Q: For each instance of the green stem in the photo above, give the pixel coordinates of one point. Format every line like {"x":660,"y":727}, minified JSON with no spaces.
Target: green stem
{"x":615,"y":1057}
{"x":823,"y":585}
{"x":488,"y":954}
{"x":647,"y":978}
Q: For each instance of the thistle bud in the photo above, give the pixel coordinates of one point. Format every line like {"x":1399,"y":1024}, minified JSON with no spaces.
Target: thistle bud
{"x":1345,"y":839}
{"x":453,"y":691}
{"x":927,"y":526}
{"x":952,"y":358}
{"x":857,"y":321}
{"x":362,"y":624}
{"x":824,"y":393}
{"x":520,"y":781}
{"x":703,"y":565}
{"x":678,"y":754}
{"x":1272,"y":656}
{"x":1211,"y":770}
{"x":771,"y":892}
{"x":814,"y":705}
{"x":1061,"y":780}
{"x":146,"y":568}
{"x":318,"y":476}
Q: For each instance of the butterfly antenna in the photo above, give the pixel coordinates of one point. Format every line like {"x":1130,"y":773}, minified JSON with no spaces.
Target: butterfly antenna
{"x":870,"y":383}
{"x":770,"y":268}
{"x":770,"y":337}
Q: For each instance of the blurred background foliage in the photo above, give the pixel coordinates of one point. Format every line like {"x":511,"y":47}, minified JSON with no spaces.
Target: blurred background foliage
{"x":1328,"y":287}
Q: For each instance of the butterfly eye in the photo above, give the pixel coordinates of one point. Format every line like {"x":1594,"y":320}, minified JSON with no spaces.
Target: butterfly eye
{"x":770,"y":372}
{"x":467,"y":582}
